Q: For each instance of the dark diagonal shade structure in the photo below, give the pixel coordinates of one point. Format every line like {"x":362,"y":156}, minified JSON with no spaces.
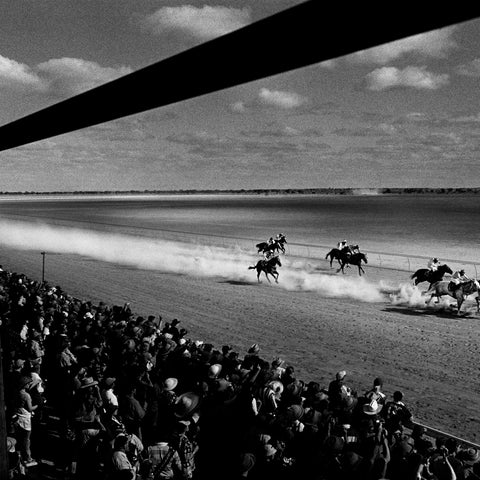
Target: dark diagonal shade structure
{"x":308,"y":33}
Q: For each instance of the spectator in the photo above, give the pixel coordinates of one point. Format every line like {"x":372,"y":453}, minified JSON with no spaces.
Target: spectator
{"x":396,"y":414}
{"x":122,"y":469}
{"x":22,"y":421}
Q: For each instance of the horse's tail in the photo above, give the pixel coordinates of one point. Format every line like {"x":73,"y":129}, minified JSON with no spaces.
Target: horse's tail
{"x":414,"y":275}
{"x":250,"y":268}
{"x":328,"y":254}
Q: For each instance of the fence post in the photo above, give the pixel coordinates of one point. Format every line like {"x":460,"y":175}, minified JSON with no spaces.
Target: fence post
{"x":409,"y":267}
{"x":476,"y":274}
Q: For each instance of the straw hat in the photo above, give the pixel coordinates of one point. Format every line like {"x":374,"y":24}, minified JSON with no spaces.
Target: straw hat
{"x":169,"y":384}
{"x":186,"y":404}
{"x":372,"y":408}
{"x":88,"y":382}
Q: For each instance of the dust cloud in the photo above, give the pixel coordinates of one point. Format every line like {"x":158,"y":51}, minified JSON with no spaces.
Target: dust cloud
{"x":181,"y":258}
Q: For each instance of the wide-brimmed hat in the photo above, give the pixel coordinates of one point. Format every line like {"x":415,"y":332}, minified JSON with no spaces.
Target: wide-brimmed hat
{"x":372,"y":408}
{"x":186,"y":404}
{"x":247,"y":462}
{"x":277,"y":362}
{"x":88,"y":382}
{"x":11,"y":442}
{"x":170,"y":383}
{"x":214,"y":370}
{"x":276,"y":386}
{"x":109,"y":381}
{"x":24,"y":381}
{"x":269,"y":450}
{"x":470,"y":455}
{"x":296,"y":411}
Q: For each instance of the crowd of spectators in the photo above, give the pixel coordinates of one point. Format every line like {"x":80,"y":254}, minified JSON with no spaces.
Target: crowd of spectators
{"x":137,"y":398}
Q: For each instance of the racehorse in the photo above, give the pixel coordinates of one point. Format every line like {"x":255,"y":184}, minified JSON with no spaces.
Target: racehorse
{"x":269,"y":267}
{"x":280,"y":242}
{"x":276,"y":246}
{"x":355,"y":259}
{"x":334,"y":254}
{"x":337,"y":254}
{"x":426,"y":275}
{"x":464,"y":290}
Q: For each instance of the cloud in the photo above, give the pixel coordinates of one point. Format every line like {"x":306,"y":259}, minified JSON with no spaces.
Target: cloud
{"x":18,"y":76}
{"x":238,"y":107}
{"x":200,"y":23}
{"x":437,"y":43}
{"x":277,"y":98}
{"x":471,"y":69}
{"x":69,"y":76}
{"x":328,"y":64}
{"x":413,"y":77}
{"x":56,"y":77}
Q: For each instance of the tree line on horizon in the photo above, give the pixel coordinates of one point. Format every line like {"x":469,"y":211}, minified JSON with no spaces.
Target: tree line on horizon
{"x":267,"y":191}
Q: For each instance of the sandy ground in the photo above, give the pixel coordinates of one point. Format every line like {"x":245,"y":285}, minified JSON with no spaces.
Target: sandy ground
{"x":431,"y":355}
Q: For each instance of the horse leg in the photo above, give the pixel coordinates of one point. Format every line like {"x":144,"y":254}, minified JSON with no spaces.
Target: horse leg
{"x":478,"y":303}
{"x":266,"y":274}
{"x":258,"y":276}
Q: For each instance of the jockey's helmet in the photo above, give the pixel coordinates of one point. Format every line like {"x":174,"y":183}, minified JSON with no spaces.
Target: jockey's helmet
{"x":435,"y":259}
{"x":462,"y":271}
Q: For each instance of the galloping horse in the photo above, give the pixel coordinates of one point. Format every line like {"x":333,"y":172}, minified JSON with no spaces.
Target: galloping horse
{"x":355,"y":259}
{"x":467,"y":288}
{"x":276,"y":246}
{"x":268,"y":267}
{"x":280,"y":242}
{"x":334,"y":254}
{"x":426,"y":275}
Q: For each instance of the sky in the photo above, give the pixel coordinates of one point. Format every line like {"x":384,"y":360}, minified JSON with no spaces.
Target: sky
{"x":404,"y":114}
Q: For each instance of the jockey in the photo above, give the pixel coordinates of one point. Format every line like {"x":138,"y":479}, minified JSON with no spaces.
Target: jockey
{"x":354,"y":249}
{"x":341,"y":245}
{"x":280,"y":237}
{"x":457,"y":279}
{"x":271,"y":241}
{"x":433,"y":264}
{"x":268,"y":254}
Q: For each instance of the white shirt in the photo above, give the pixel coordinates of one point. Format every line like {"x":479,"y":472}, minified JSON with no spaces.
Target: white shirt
{"x":110,"y":398}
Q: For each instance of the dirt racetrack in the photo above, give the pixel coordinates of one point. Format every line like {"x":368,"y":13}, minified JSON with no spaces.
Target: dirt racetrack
{"x":431,"y":355}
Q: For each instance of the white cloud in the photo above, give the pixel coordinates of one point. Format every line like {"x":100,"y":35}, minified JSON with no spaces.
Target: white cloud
{"x":328,"y":64}
{"x":414,"y":77}
{"x":471,"y":69}
{"x":280,"y":99}
{"x":18,"y":75}
{"x":238,"y":107}
{"x":202,"y":23}
{"x":69,"y":76}
{"x":58,"y":76}
{"x":431,"y":44}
